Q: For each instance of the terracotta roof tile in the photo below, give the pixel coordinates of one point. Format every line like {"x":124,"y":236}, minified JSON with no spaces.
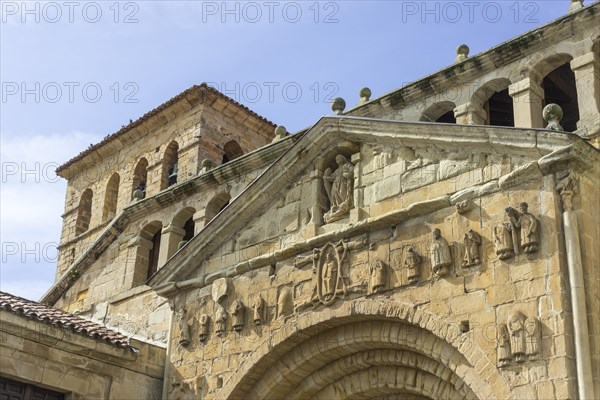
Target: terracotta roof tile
{"x":151,"y":113}
{"x":61,"y":319}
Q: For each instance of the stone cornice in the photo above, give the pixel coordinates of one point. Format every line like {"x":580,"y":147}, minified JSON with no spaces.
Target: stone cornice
{"x":532,"y":143}
{"x":174,"y":194}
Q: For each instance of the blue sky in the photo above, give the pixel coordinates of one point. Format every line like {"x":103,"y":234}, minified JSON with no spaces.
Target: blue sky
{"x":75,"y":72}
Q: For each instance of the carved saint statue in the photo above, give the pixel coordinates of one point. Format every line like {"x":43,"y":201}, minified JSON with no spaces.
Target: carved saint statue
{"x":238,"y":313}
{"x":184,"y":328}
{"x":441,"y":258}
{"x":220,"y":319}
{"x":472,"y":243}
{"x":503,"y":241}
{"x":377,"y":276}
{"x":532,"y":331}
{"x":258,"y":310}
{"x":528,"y":226}
{"x":517,"y":336}
{"x":329,"y":276}
{"x":504,"y":354}
{"x":204,"y":325}
{"x":340,"y":189}
{"x":412,"y":262}
{"x":285,"y":303}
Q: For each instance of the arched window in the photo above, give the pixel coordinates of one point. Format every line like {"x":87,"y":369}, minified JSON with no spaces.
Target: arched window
{"x":84,"y":212}
{"x":442,"y":111}
{"x":215,"y":205}
{"x":494,"y":100}
{"x":149,"y":250}
{"x":232,"y":150}
{"x":170,"y":166}
{"x":140,"y":175}
{"x":559,"y":88}
{"x":110,"y":198}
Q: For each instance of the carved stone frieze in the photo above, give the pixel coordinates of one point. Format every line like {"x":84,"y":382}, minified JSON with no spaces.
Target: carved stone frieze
{"x":184,"y":328}
{"x":220,"y":319}
{"x":377,"y":277}
{"x":441,"y":256}
{"x":525,"y":226}
{"x":238,"y":315}
{"x":472,"y":242}
{"x":204,"y":327}
{"x":412,"y":262}
{"x":519,"y":340}
{"x":258,"y":311}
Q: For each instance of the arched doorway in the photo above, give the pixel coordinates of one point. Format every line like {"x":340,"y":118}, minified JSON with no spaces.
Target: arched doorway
{"x":366,"y":349}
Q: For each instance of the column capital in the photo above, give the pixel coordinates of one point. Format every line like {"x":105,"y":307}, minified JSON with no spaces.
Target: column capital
{"x":527,"y":84}
{"x":584,"y":60}
{"x":173,"y":229}
{"x":470,"y":114}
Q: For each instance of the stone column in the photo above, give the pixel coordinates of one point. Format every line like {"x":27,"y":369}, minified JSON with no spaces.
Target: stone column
{"x":171,"y":235}
{"x":138,"y":253}
{"x":585,"y":382}
{"x":468,"y":114}
{"x":587,"y":80}
{"x":199,"y":221}
{"x":527,"y":103}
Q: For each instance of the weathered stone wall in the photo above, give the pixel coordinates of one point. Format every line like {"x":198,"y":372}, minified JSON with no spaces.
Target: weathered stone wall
{"x":67,"y":362}
{"x":484,"y":296}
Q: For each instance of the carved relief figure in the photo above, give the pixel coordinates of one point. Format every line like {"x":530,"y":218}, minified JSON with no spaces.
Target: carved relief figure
{"x":377,"y":275}
{"x":339,"y":186}
{"x":285,"y":303}
{"x":238,"y":312}
{"x":503,"y":241}
{"x":412,"y":262}
{"x":441,"y":258}
{"x":504,"y":354}
{"x":517,"y":336}
{"x":204,"y":325}
{"x":220,"y":320}
{"x":533,"y":333}
{"x":258,"y":310}
{"x":472,"y":243}
{"x":528,"y":226}
{"x":329,"y":277}
{"x":184,"y":328}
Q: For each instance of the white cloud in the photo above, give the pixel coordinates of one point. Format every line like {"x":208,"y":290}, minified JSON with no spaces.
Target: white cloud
{"x":32,"y":201}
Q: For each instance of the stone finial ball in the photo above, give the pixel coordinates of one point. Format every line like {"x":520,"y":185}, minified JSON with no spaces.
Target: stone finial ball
{"x":338,"y":105}
{"x":552,"y":112}
{"x":365,"y":93}
{"x":280,"y":131}
{"x":463,"y":49}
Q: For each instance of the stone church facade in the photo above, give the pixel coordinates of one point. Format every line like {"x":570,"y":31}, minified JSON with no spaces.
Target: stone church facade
{"x":438,"y":242}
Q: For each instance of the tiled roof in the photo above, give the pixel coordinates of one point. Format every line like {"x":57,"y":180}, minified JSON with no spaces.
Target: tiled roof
{"x":151,"y":113}
{"x":61,"y":319}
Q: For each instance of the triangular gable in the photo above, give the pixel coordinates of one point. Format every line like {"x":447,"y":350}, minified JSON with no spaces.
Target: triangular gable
{"x":336,"y":132}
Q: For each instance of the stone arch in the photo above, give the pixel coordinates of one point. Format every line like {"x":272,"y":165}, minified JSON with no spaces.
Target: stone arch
{"x":84,"y":212}
{"x":181,"y":229}
{"x":218,"y":202}
{"x":231,"y":151}
{"x":170,"y":165}
{"x":442,"y":111}
{"x":494,"y":103}
{"x":309,"y":345}
{"x":538,"y":68}
{"x":149,"y":249}
{"x":140,"y":177}
{"x":111,"y":196}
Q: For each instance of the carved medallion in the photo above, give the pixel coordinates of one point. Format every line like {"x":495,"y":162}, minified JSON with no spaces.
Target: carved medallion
{"x":329,"y":275}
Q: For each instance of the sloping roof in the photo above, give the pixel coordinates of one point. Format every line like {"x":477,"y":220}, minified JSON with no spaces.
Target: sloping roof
{"x":202,"y":87}
{"x":61,"y":319}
